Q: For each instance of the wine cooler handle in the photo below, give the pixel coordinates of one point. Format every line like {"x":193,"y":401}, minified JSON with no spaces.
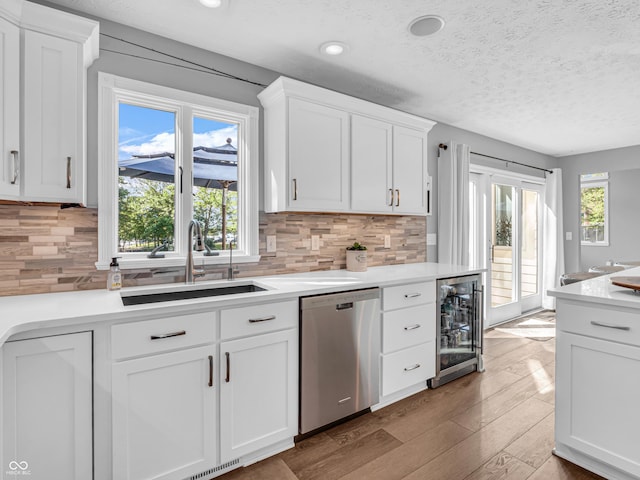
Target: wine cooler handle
{"x":480,"y":316}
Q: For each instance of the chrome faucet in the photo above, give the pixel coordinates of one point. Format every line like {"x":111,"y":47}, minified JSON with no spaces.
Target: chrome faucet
{"x":190,"y":273}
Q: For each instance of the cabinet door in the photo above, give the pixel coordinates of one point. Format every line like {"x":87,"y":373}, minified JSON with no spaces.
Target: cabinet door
{"x":53,"y":119}
{"x":318,"y":157}
{"x":47,"y":402}
{"x":164,"y":419}
{"x":409,"y":171}
{"x":258,"y":392}
{"x":9,"y":110}
{"x":371,"y":174}
{"x":597,"y":398}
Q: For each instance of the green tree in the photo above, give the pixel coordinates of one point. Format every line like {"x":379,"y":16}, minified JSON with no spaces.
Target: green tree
{"x":592,"y":205}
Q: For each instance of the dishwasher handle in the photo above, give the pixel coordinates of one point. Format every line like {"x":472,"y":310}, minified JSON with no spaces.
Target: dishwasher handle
{"x":344,"y":306}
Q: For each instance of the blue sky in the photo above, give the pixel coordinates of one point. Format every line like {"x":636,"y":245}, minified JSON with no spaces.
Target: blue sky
{"x":147,"y":131}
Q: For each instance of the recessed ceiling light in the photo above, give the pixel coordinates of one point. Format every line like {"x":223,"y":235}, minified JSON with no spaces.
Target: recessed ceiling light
{"x":333,"y":48}
{"x":212,"y":3}
{"x":426,"y":25}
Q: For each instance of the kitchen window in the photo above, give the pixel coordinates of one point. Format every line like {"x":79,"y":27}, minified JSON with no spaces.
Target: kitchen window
{"x":594,"y":209}
{"x":165,"y":157}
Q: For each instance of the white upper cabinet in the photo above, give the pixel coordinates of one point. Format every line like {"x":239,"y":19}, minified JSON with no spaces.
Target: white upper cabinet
{"x":371,"y":165}
{"x":9,"y":110}
{"x":318,"y":163}
{"x":410,"y":174}
{"x":328,"y":152}
{"x":55,"y":49}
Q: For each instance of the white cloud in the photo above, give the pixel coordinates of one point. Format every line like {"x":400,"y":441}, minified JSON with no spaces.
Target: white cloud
{"x":165,"y":142}
{"x":216,"y":138}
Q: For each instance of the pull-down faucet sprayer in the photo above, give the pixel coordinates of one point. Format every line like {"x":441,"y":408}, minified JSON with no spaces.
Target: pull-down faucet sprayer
{"x":190,"y":272}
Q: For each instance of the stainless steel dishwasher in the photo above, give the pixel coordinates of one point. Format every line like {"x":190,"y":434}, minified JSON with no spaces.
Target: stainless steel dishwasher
{"x":339,"y":356}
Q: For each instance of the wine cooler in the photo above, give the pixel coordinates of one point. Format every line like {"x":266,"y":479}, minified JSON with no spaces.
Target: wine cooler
{"x":459,"y":339}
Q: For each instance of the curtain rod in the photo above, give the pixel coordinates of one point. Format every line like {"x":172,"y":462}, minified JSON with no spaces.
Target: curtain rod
{"x":444,"y":147}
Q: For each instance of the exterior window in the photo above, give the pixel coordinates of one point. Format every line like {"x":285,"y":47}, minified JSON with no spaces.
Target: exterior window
{"x":594,"y":209}
{"x":167,"y":157}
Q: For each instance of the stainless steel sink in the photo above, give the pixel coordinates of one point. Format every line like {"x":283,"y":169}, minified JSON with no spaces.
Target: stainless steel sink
{"x":168,"y":296}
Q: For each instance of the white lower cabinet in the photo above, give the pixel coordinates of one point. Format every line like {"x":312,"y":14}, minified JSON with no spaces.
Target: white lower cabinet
{"x":408,"y":336}
{"x":164,"y":397}
{"x":164,"y":415}
{"x":47,"y":408}
{"x":258,"y":392}
{"x":597,"y":396}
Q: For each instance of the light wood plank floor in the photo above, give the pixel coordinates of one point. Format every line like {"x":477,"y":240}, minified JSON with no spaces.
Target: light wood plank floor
{"x":492,"y":425}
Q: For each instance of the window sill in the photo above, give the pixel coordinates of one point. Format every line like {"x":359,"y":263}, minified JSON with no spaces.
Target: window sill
{"x":594,"y":244}
{"x":198,"y":260}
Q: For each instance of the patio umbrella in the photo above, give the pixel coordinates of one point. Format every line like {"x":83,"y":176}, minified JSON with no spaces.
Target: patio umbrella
{"x":212,"y":168}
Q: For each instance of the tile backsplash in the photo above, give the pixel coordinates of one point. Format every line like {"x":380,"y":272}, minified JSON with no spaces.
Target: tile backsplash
{"x":47,"y":249}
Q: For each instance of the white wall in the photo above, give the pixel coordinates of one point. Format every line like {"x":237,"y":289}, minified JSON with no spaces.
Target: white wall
{"x":624,"y":231}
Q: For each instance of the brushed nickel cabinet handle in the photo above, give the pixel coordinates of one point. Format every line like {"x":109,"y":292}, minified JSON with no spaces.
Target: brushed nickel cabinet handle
{"x":412,"y":327}
{"x":397,"y":197}
{"x":15,"y":160}
{"x":408,"y":369}
{"x":617,"y":327}
{"x":168,"y":335}
{"x":211,"y":370}
{"x":68,"y":172}
{"x":390,"y":197}
{"x":295,"y":189}
{"x":263,"y":319}
{"x":412,"y":295}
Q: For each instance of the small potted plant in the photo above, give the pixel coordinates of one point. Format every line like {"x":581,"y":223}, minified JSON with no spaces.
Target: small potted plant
{"x":357,"y":258}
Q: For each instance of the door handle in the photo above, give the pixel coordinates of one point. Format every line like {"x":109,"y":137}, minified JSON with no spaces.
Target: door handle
{"x":16,"y":166}
{"x":168,"y":335}
{"x":412,"y":295}
{"x":397,"y":197}
{"x":295,"y":189}
{"x":606,"y":325}
{"x":227,"y":378}
{"x":68,"y":172}
{"x":391,"y":197}
{"x":413,"y":367}
{"x":263,"y":319}
{"x":412,"y":327}
{"x":211,"y":370}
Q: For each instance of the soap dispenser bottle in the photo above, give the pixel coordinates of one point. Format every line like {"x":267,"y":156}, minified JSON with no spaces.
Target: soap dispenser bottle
{"x":114,"y":279}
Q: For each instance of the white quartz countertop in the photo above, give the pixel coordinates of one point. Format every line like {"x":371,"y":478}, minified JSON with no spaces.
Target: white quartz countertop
{"x":601,"y":290}
{"x":22,"y":313}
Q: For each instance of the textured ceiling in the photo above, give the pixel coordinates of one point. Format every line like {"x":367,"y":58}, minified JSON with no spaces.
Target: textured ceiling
{"x":555,"y":76}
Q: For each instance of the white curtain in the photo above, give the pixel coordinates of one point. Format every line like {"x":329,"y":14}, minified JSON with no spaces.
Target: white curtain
{"x":553,"y":244}
{"x":453,"y":204}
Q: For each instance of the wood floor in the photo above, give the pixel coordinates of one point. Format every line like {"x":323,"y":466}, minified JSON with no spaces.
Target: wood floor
{"x":492,"y":425}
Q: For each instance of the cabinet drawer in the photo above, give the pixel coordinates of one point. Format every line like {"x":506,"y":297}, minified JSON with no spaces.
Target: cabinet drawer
{"x":607,"y":323}
{"x":408,"y":295}
{"x":163,"y":334}
{"x":408,"y":327}
{"x":408,"y":367}
{"x":255,"y":319}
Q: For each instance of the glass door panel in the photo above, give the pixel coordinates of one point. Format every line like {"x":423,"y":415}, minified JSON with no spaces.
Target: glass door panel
{"x":529,"y":246}
{"x":502,"y":252}
{"x":508,"y":229}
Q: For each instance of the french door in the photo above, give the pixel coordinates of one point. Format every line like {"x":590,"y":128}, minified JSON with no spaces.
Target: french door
{"x":506,"y":221}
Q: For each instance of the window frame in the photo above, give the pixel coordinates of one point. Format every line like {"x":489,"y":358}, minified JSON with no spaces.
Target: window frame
{"x":112,"y":90}
{"x":596,"y":180}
